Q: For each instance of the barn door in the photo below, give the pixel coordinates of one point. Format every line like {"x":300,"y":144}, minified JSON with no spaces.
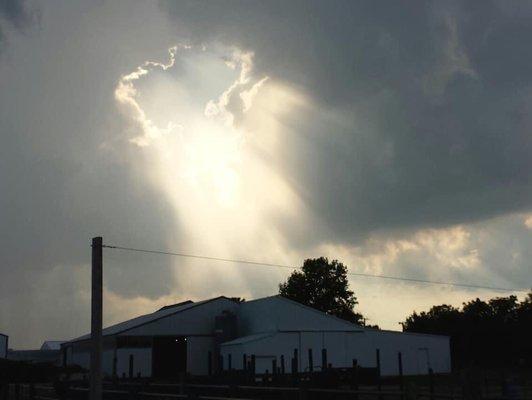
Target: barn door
{"x":169,"y":356}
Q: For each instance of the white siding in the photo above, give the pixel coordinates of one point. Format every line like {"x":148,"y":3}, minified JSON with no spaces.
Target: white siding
{"x":264,"y":350}
{"x":419,"y":352}
{"x":80,"y":357}
{"x":107,"y":362}
{"x":198,"y":348}
{"x":141,"y":361}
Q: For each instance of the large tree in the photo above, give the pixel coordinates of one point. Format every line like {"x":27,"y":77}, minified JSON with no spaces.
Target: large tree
{"x":502,"y":325}
{"x":323,"y":284}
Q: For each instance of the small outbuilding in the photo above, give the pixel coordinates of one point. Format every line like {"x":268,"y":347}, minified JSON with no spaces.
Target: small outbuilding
{"x":3,"y":345}
{"x":199,"y":337}
{"x":52,"y":344}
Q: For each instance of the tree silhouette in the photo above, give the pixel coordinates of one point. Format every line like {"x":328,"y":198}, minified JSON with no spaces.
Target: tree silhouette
{"x":501,"y":325}
{"x":323,"y":285}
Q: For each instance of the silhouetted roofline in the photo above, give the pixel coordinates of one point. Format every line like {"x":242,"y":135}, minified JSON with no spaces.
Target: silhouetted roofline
{"x":175,"y":305}
{"x":86,"y":337}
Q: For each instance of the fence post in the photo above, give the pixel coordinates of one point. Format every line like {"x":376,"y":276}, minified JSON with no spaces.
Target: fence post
{"x":310,"y":361}
{"x":431,"y":383}
{"x":292,"y":366}
{"x":244,"y":361}
{"x":181,"y":383}
{"x":379,"y":386}
{"x":323,"y":359}
{"x":282,"y":364}
{"x":400,"y":366}
{"x":274,"y":367}
{"x":229,"y":362}
{"x":355,"y":373}
{"x":32,"y":391}
{"x":253,"y":365}
{"x":131,"y":364}
{"x":209,"y":363}
{"x":115,"y":363}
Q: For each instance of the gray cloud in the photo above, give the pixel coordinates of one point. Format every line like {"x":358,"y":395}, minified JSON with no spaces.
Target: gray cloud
{"x":431,"y":99}
{"x":59,"y":185}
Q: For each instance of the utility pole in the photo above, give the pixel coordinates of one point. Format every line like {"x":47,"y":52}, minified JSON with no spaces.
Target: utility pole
{"x":96,"y":320}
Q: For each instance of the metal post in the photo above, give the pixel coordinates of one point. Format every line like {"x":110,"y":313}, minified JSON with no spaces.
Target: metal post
{"x":131,"y":363}
{"x":379,"y":386}
{"x":355,"y":374}
{"x":400,"y":364}
{"x":253,"y":365}
{"x":431,"y":383}
{"x":95,"y":392}
{"x":323,"y":359}
{"x":310,"y":361}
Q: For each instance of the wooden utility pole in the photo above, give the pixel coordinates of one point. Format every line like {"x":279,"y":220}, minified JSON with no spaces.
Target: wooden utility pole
{"x":96,"y":320}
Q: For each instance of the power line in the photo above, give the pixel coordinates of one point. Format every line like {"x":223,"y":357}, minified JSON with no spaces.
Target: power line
{"x":256,"y":263}
{"x":168,"y":253}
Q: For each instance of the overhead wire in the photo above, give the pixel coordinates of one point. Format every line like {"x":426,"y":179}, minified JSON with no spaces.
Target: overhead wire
{"x":257,"y":263}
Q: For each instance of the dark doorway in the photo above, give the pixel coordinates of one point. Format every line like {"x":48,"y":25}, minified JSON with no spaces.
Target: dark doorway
{"x":169,"y":356}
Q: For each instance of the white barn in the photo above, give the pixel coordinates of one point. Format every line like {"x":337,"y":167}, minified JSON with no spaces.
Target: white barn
{"x":191,"y":336}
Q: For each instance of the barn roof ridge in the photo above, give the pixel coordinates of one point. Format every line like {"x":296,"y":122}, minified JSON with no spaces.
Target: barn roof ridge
{"x":278,"y":296}
{"x":145,"y":319}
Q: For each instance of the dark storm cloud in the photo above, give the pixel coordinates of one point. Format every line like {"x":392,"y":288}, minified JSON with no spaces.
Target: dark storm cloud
{"x":14,"y":13}
{"x":432,"y":100}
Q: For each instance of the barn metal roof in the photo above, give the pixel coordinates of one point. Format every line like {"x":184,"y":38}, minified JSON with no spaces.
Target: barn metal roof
{"x":147,"y":318}
{"x":250,"y":338}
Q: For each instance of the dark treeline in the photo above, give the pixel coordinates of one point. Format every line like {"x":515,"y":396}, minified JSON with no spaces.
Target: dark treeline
{"x":496,"y":333}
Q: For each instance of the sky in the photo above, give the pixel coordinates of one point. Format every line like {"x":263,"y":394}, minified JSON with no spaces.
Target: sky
{"x":392,"y":136}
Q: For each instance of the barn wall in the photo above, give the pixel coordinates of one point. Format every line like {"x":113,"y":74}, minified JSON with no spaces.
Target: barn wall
{"x":419,"y":352}
{"x":264,"y":350}
{"x":198,"y":348}
{"x":107,"y":362}
{"x":79,"y":357}
{"x":341,"y":347}
{"x":141,"y":361}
